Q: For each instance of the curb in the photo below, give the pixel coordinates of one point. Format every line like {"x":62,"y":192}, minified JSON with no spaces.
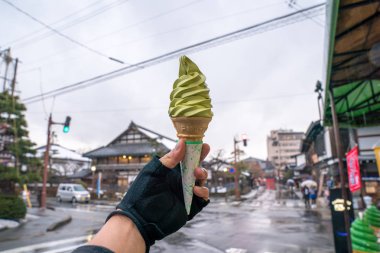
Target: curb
{"x":59,"y":224}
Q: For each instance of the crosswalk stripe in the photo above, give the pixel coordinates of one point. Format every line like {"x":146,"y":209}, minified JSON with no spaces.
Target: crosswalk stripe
{"x":33,"y":247}
{"x":65,"y":249}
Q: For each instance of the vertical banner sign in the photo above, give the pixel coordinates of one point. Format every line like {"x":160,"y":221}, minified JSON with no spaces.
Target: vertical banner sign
{"x":99,"y":183}
{"x":377,"y":155}
{"x":353,"y":169}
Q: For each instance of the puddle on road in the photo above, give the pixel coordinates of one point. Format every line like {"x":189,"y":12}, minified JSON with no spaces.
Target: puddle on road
{"x":180,"y":243}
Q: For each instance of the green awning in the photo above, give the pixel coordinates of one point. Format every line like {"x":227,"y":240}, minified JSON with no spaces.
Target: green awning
{"x":353,"y":62}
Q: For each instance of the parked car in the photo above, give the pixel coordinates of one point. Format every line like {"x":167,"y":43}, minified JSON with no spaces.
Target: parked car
{"x":72,"y":192}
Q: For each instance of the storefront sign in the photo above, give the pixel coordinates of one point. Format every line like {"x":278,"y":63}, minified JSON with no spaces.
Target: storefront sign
{"x":377,"y":155}
{"x":338,"y":205}
{"x":353,"y":169}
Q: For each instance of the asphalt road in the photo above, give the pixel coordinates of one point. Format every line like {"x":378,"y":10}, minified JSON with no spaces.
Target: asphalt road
{"x":262,"y":225}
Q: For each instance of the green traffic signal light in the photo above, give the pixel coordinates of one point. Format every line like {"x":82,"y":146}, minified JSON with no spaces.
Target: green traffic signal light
{"x":66,"y":129}
{"x":66,"y":126}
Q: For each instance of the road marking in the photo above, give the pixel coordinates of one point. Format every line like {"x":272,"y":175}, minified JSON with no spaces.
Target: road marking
{"x":75,"y":210}
{"x":235,"y":250}
{"x":33,"y":247}
{"x":66,"y":249}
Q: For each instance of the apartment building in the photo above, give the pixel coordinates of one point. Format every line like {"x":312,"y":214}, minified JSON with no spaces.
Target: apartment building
{"x":282,"y":147}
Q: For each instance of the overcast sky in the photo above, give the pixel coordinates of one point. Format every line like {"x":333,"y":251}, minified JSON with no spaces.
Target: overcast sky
{"x":257,"y":84}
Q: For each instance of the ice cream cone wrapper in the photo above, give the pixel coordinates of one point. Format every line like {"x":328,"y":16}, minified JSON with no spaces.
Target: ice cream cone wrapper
{"x":188,"y":165}
{"x":192,"y":130}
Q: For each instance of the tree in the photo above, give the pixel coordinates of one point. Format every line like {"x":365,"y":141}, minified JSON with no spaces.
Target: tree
{"x":16,"y":149}
{"x":255,"y":169}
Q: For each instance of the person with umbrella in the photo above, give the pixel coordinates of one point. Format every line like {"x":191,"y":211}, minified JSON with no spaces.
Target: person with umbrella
{"x":306,"y":185}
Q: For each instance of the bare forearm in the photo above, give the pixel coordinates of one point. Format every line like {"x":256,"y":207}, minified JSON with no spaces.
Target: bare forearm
{"x":120,"y":235}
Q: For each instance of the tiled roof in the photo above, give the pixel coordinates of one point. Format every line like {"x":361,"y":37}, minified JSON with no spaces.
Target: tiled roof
{"x":136,"y":149}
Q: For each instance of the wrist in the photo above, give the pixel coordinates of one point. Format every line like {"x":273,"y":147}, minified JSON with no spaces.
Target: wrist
{"x":123,"y":231}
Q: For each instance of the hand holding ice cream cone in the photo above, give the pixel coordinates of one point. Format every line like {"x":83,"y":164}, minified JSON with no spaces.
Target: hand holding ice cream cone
{"x":190,"y":111}
{"x":174,"y":157}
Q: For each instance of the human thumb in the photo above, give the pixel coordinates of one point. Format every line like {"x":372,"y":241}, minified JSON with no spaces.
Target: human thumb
{"x":171,"y":159}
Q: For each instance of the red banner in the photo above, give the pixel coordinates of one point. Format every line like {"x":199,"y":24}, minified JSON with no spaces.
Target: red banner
{"x":353,"y":169}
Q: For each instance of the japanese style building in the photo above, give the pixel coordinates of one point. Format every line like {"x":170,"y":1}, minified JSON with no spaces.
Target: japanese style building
{"x":120,"y":161}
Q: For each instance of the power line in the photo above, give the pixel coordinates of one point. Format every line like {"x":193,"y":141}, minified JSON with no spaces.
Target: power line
{"x":72,"y":23}
{"x":61,"y":34}
{"x":229,"y":37}
{"x":293,"y":4}
{"x":160,"y":33}
{"x":31,"y":34}
{"x":146,"y":20}
{"x":127,"y":27}
{"x":160,"y":107}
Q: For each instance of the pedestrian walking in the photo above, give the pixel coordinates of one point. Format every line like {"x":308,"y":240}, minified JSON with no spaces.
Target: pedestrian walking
{"x":306,"y":196}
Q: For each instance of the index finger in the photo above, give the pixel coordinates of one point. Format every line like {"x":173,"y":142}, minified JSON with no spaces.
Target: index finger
{"x":205,"y":151}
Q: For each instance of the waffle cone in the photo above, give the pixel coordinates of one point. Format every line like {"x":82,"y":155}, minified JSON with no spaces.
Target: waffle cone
{"x":190,"y":128}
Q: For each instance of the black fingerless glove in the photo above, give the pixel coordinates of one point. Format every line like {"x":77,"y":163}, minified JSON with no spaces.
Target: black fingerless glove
{"x":155,"y":202}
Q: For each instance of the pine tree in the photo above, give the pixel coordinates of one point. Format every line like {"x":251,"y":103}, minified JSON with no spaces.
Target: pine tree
{"x":16,"y":149}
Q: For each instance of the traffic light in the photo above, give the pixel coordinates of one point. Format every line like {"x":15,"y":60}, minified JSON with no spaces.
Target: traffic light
{"x":66,"y":126}
{"x":245,"y":139}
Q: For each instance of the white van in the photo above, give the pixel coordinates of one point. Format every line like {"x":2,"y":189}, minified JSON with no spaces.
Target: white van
{"x":72,"y":192}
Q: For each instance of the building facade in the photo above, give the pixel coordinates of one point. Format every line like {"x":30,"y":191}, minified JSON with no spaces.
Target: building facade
{"x":282,"y":146}
{"x":64,"y":162}
{"x":319,"y":154}
{"x":117,"y":164}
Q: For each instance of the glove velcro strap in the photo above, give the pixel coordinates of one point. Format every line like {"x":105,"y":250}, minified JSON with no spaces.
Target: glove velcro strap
{"x":137,"y":223}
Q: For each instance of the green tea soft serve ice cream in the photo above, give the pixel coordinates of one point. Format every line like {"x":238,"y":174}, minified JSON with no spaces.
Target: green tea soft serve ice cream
{"x":190,"y":111}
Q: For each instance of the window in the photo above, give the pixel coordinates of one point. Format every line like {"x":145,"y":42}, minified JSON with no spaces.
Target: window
{"x":145,"y":159}
{"x":79,"y":188}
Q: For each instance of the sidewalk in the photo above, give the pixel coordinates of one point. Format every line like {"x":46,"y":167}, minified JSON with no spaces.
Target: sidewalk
{"x":51,"y":219}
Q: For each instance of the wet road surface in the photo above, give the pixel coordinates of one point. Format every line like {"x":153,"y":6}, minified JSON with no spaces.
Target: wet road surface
{"x":261,"y":225}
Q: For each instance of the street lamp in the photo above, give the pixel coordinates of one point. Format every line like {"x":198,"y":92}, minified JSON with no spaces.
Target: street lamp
{"x":93,"y":169}
{"x":319,"y":89}
{"x":244,"y":139}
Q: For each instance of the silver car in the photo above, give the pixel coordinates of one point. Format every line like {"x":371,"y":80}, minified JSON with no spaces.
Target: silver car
{"x":72,"y":192}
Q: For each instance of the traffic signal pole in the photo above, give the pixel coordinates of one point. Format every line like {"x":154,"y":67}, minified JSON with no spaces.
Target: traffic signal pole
{"x":237,"y":173}
{"x":47,"y":152}
{"x":46,"y":163}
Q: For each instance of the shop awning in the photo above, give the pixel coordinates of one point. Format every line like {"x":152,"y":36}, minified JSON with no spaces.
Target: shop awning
{"x":353,"y":62}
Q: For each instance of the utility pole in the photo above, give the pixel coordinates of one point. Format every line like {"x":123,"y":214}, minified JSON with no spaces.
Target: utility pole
{"x":7,"y":59}
{"x":13,"y":84}
{"x":66,"y":127}
{"x":237,"y":171}
{"x":341,"y":172}
{"x":46,"y":163}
